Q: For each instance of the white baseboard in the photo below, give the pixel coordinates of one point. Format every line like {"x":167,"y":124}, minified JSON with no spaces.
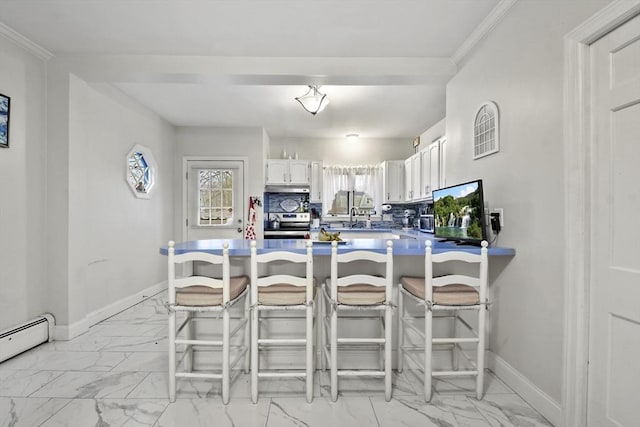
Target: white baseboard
{"x":67,"y":332}
{"x":536,"y":398}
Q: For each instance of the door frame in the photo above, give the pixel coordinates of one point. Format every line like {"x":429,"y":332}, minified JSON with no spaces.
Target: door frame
{"x":183,"y":178}
{"x":578,"y":163}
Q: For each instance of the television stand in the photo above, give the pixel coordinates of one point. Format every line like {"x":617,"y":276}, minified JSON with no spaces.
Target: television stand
{"x":469,"y":243}
{"x":447,"y":240}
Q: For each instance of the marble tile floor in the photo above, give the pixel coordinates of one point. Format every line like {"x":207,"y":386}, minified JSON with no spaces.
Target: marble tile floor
{"x":115,"y":375}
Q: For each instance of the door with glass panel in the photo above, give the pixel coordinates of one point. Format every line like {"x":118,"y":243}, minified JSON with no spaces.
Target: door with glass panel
{"x":215,"y":199}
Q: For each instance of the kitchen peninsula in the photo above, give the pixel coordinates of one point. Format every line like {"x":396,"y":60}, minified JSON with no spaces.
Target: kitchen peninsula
{"x":401,"y":247}
{"x":408,"y":254}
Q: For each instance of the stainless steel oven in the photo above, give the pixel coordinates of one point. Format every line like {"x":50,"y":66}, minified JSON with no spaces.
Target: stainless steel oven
{"x":287,"y":226}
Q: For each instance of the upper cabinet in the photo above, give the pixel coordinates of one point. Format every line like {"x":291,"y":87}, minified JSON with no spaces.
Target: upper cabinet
{"x":424,"y":172}
{"x":315,"y":190}
{"x":288,"y":172}
{"x":393,"y":181}
{"x":430,"y":165}
{"x":412,"y":178}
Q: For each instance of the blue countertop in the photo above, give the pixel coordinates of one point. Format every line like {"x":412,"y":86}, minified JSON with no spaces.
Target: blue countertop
{"x":241,"y":247}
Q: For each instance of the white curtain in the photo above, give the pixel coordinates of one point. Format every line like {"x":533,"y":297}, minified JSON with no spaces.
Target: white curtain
{"x":365,"y":178}
{"x":369,"y":179}
{"x":335,"y":178}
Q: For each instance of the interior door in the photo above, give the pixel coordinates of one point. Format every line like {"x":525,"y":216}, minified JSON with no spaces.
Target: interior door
{"x":215,"y":199}
{"x":614,"y":342}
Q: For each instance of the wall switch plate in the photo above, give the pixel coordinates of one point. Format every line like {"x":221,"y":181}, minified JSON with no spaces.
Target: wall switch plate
{"x":499,"y":211}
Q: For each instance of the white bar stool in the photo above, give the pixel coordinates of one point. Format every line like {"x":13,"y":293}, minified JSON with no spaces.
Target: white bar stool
{"x":198,"y":294}
{"x":284,"y":293}
{"x":366,"y":293}
{"x":449,"y":294}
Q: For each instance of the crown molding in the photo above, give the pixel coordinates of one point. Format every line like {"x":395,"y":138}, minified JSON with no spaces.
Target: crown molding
{"x":12,"y":35}
{"x":608,"y":18}
{"x":482,"y":30}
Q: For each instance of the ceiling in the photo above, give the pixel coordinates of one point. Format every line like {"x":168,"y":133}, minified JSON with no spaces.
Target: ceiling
{"x":383,"y":63}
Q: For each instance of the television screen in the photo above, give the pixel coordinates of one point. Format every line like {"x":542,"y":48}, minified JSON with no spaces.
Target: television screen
{"x":459,"y":213}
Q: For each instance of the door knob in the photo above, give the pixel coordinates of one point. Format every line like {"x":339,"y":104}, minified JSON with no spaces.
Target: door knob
{"x":239,"y":229}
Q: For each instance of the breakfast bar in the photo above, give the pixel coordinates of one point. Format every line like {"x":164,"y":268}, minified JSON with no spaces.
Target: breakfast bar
{"x":401,"y":247}
{"x":408,"y":253}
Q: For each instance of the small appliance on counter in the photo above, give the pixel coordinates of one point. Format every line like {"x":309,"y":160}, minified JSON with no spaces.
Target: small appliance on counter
{"x":407,"y":219}
{"x":427,"y":223}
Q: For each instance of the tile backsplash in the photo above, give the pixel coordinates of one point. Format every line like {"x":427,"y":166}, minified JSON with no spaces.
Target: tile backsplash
{"x":284,"y":202}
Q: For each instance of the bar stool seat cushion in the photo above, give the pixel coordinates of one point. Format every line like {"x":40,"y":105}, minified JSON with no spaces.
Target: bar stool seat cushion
{"x":361,"y":294}
{"x":455,"y":294}
{"x":284,"y":294}
{"x":196,"y":296}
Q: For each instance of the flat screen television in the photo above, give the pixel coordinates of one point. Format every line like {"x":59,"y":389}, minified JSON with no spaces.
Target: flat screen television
{"x":459,"y":213}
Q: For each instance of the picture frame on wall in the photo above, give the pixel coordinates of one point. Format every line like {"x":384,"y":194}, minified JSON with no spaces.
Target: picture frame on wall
{"x":5,"y":109}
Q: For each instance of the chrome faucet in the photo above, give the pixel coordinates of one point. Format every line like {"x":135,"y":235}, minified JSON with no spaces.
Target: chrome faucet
{"x":352,"y":217}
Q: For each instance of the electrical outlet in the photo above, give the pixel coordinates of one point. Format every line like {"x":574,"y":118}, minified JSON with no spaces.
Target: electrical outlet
{"x":499,"y":211}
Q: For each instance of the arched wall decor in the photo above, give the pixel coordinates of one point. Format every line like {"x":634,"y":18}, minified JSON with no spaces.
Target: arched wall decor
{"x":486,"y":135}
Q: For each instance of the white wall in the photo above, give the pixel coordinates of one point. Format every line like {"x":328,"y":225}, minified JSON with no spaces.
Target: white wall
{"x":342,"y":152}
{"x":520,"y":67}
{"x":433,"y":133}
{"x":114,"y":237}
{"x":97,"y":230}
{"x":23,"y":286}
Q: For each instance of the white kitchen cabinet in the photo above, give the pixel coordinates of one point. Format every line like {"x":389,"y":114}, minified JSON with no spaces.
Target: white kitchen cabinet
{"x":416,"y":177}
{"x":288,"y":172}
{"x":315,"y":189}
{"x":435,"y":164}
{"x":393,"y":181}
{"x":431,"y":170}
{"x":412,"y":178}
{"x":407,"y":180}
{"x":425,"y":172}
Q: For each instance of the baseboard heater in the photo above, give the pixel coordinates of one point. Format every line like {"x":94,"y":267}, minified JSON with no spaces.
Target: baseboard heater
{"x":25,"y":336}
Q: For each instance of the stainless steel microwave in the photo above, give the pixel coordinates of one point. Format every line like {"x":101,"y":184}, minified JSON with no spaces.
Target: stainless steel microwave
{"x":427,"y":224}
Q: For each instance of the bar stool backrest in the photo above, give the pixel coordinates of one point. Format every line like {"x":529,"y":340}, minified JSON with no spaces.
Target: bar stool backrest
{"x":185,"y":282}
{"x":290,"y":279}
{"x":479,"y":282}
{"x":385,"y":281}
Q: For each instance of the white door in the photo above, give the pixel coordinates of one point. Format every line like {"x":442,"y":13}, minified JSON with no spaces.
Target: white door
{"x":614,"y":342}
{"x":215,"y":199}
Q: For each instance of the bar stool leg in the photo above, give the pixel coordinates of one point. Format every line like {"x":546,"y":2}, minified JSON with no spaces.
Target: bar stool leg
{"x":309,"y":356}
{"x":247,"y":332}
{"x":388,"y":314}
{"x":254,"y":353}
{"x":334,"y":354}
{"x":455,"y":349}
{"x":428,"y":334}
{"x":225,"y":357}
{"x":172,"y":356}
{"x":482,"y":312}
{"x":400,"y":353}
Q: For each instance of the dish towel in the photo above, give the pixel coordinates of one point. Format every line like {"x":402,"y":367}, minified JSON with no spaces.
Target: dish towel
{"x":250,"y":233}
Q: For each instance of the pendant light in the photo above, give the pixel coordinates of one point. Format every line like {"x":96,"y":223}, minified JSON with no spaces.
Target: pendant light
{"x":313,"y":101}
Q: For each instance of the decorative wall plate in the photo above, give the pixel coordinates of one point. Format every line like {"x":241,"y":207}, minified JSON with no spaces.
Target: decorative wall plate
{"x":289,"y":205}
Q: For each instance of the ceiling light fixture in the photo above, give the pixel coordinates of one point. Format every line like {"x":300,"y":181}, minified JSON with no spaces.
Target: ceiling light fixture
{"x":352,"y":137}
{"x":313,"y":101}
